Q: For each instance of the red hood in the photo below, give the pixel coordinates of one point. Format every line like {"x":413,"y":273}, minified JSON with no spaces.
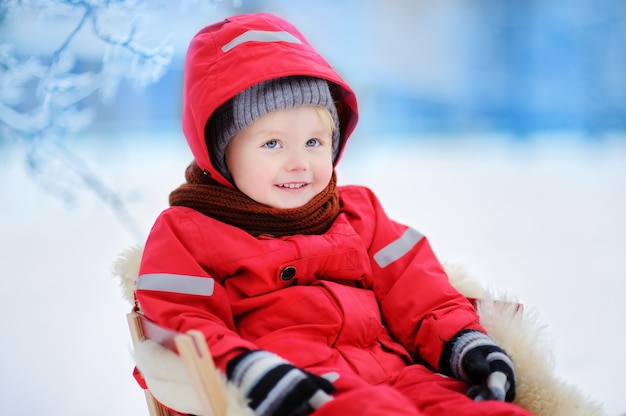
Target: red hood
{"x":227,"y":57}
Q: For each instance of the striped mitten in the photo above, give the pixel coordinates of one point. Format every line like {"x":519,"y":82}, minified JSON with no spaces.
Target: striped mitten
{"x":275,"y":387}
{"x":476,"y":359}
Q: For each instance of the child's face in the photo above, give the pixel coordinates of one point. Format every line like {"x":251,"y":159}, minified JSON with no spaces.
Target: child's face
{"x":283,"y":159}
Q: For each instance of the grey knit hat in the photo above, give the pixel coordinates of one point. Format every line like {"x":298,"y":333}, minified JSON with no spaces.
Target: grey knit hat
{"x":276,"y":94}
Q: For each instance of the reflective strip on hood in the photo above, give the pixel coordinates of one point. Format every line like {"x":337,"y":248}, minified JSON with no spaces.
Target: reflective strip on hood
{"x":398,"y":248}
{"x":176,"y":283}
{"x":261,"y":36}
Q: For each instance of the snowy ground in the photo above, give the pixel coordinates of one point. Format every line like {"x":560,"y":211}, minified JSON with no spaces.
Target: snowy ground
{"x":545,"y":220}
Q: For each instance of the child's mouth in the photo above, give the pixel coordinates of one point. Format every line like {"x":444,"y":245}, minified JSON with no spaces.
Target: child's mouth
{"x":292,"y":185}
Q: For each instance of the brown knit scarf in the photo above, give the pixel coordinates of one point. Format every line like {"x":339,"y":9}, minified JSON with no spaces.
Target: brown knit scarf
{"x":231,"y":206}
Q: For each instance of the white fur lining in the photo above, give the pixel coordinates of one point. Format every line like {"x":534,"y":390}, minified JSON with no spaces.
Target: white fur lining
{"x":522,"y":336}
{"x":166,"y":377}
{"x":169,"y":382}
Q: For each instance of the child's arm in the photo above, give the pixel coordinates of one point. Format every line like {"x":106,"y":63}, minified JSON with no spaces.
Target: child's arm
{"x":175,"y":291}
{"x":420,"y":307}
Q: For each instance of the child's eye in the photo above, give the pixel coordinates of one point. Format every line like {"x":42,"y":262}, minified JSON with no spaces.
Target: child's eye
{"x":313,"y":143}
{"x":272,"y":144}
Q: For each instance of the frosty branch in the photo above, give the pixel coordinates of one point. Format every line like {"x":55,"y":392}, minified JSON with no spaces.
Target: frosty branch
{"x":45,"y":99}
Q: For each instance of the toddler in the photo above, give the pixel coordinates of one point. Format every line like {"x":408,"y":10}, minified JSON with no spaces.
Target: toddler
{"x":311,"y":299}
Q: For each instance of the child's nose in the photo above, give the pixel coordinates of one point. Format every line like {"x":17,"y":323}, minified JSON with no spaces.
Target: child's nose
{"x":297,"y":160}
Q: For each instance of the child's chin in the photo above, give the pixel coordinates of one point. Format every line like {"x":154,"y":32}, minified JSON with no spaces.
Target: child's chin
{"x":288,"y":206}
{"x":291,"y":204}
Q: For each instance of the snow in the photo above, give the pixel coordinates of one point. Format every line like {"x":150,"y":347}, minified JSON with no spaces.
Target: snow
{"x":542,"y":219}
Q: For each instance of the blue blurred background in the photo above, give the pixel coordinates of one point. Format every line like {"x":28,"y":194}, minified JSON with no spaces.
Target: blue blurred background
{"x":453,"y":66}
{"x":518,"y":67}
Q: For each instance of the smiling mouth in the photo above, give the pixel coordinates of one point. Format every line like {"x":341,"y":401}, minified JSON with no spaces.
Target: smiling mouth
{"x":292,"y":185}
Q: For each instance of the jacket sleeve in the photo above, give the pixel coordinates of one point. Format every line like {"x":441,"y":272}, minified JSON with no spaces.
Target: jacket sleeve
{"x":175,"y":291}
{"x":419,"y":306}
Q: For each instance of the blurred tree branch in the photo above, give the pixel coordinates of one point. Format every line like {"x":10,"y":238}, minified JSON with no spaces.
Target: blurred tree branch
{"x":45,"y":99}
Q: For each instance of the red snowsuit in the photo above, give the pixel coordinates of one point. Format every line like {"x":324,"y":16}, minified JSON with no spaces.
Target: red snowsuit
{"x":368,"y":299}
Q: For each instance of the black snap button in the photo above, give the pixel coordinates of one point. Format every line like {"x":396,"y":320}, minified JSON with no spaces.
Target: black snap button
{"x":287,"y":273}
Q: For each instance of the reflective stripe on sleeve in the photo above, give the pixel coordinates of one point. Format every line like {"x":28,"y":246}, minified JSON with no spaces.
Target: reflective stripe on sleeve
{"x":260,"y":36}
{"x":176,"y":283}
{"x":398,"y":248}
